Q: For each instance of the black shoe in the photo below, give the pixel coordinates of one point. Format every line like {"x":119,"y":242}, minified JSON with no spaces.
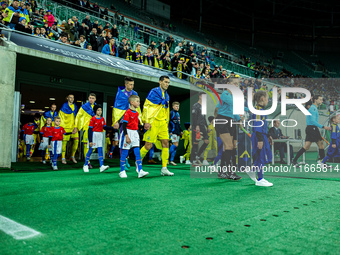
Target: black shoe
{"x":283,"y":162}
{"x":233,"y":176}
{"x":222,"y":175}
{"x":295,"y":164}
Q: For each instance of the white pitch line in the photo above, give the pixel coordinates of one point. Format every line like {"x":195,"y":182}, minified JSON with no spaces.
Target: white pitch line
{"x":16,"y":230}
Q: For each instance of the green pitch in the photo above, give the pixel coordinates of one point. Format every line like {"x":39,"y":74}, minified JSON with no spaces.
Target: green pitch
{"x":99,"y":213}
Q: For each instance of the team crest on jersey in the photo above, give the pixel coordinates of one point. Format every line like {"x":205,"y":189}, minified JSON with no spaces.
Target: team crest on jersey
{"x":148,"y":137}
{"x":125,"y":144}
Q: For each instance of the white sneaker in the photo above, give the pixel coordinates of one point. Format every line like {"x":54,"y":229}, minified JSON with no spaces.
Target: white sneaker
{"x":205,"y":163}
{"x":173,"y":163}
{"x":166,"y":172}
{"x":188,"y":162}
{"x":28,"y":158}
{"x":103,"y":168}
{"x":263,"y":183}
{"x":63,"y":161}
{"x":142,"y":174}
{"x":122,"y":174}
{"x":44,"y":162}
{"x":55,"y":168}
{"x":322,"y":165}
{"x":181,"y":159}
{"x":86,"y":169}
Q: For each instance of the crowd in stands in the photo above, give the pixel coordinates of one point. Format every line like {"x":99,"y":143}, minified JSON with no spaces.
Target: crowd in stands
{"x":184,"y":60}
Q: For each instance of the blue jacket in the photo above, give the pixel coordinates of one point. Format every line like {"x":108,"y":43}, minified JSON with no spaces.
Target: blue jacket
{"x":174,"y":124}
{"x":106,"y":49}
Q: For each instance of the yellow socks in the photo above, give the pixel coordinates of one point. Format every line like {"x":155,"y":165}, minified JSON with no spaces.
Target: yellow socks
{"x":143,"y":152}
{"x":165,"y":157}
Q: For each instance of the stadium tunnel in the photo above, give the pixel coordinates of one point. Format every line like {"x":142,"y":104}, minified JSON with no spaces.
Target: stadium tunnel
{"x":46,"y":78}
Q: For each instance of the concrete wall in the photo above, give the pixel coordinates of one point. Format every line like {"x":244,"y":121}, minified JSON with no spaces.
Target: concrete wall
{"x":7,"y":87}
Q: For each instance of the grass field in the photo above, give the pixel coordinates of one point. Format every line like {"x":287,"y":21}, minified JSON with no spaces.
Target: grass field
{"x":99,"y":213}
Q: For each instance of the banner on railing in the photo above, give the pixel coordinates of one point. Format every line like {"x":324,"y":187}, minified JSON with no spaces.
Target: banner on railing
{"x":61,"y":49}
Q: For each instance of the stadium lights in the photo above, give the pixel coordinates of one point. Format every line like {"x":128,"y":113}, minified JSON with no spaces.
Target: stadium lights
{"x":52,"y":98}
{"x":32,"y":102}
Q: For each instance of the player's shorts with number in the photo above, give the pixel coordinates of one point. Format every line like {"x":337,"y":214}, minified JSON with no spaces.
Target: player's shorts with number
{"x":29,"y":139}
{"x":97,"y":140}
{"x":134,"y":137}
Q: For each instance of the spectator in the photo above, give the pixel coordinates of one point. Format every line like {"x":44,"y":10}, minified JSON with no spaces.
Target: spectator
{"x":83,"y":42}
{"x":124,"y":49}
{"x":166,"y":61}
{"x":101,"y":41}
{"x":108,"y":36}
{"x":122,"y":21}
{"x":110,"y":48}
{"x":107,"y":26}
{"x":24,"y":11}
{"x":83,"y":30}
{"x":87,"y":21}
{"x":115,"y":32}
{"x":89,"y":47}
{"x":43,"y":33}
{"x":81,"y":5}
{"x":137,"y":54}
{"x":190,"y":52}
{"x":69,"y":29}
{"x":153,"y":46}
{"x":212,"y":63}
{"x":37,"y":32}
{"x":100,"y":29}
{"x":149,"y":58}
{"x":162,"y":48}
{"x":95,"y":25}
{"x":96,"y":8}
{"x":55,"y":32}
{"x":169,"y":42}
{"x":75,"y":22}
{"x":49,"y":18}
{"x":93,"y":39}
{"x":63,"y":38}
{"x":146,"y":36}
{"x":22,"y":26}
{"x":179,"y":48}
{"x":14,"y":14}
{"x":136,"y":32}
{"x":3,"y":15}
{"x":88,"y":6}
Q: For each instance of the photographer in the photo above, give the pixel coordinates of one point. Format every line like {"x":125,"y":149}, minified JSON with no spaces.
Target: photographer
{"x":124,"y":49}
